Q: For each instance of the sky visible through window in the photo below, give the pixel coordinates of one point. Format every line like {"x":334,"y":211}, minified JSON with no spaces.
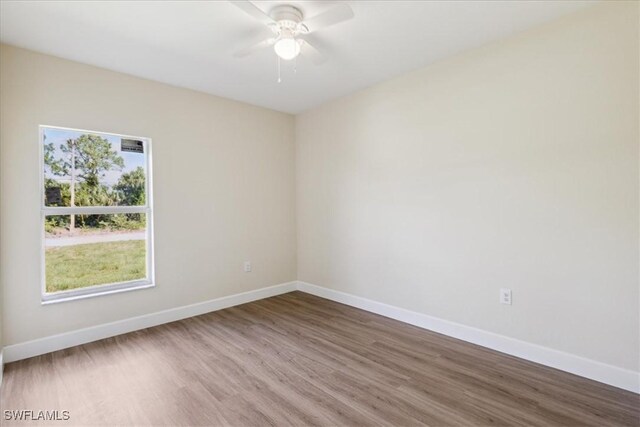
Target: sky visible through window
{"x":110,"y":178}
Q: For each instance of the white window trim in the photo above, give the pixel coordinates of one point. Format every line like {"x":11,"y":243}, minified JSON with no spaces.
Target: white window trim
{"x":111,"y":288}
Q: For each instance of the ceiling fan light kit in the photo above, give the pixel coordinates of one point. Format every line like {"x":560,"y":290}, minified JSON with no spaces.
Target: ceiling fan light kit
{"x":287,"y":48}
{"x":289,"y":28}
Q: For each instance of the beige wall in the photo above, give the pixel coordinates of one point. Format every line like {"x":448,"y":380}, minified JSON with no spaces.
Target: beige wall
{"x":513,"y":165}
{"x":223,"y":189}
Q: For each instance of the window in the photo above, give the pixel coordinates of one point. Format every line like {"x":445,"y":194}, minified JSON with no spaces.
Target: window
{"x":96,"y":213}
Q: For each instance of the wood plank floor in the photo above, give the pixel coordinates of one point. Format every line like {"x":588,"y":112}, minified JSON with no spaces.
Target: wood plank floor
{"x":299,"y":360}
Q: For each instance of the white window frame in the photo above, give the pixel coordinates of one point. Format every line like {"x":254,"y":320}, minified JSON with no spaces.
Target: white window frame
{"x":109,"y":288}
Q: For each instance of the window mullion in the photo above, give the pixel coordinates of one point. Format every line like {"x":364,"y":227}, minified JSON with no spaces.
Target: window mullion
{"x":94,"y":210}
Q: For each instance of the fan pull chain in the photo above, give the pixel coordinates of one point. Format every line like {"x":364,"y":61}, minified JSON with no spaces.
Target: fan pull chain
{"x":295,"y":65}
{"x":279,"y":78}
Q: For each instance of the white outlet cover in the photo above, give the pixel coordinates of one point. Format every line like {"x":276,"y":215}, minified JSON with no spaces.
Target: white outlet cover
{"x":505,"y":296}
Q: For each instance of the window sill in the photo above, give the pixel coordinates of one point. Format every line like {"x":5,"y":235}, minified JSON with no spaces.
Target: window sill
{"x":90,"y":292}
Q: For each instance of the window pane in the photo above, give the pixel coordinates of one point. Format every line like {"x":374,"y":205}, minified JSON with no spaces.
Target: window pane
{"x":101,"y":249}
{"x":93,"y":169}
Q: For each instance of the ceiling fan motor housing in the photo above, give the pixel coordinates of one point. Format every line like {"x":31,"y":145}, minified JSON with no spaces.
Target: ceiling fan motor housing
{"x":288,"y":19}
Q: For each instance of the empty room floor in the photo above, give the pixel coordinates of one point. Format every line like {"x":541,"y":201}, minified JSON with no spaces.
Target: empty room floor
{"x":297,"y":359}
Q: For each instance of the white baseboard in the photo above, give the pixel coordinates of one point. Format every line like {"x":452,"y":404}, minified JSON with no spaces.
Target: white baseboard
{"x":598,"y":371}
{"x":82,"y":336}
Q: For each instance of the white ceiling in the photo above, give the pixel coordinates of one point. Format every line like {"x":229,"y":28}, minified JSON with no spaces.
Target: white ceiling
{"x":191,"y":43}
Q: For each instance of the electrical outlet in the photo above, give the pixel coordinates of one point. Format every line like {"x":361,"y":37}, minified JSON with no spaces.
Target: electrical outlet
{"x":247,"y":266}
{"x":505,"y":296}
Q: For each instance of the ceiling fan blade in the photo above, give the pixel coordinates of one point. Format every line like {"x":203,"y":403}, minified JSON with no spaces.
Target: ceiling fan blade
{"x":341,"y":12}
{"x":250,"y":49}
{"x":253,"y":10}
{"x":307,"y":50}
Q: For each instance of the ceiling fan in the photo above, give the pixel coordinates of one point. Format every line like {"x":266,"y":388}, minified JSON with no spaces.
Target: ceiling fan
{"x":289,"y":27}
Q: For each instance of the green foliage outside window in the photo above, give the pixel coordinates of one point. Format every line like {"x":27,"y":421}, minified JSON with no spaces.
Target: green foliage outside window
{"x":81,"y":166}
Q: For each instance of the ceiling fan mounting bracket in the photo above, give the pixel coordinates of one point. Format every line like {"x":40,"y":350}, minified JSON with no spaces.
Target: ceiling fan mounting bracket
{"x":286,"y":13}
